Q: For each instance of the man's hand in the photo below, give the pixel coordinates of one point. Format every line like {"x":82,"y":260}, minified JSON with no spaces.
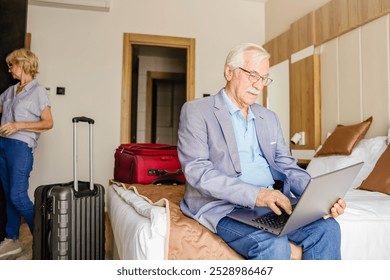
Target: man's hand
{"x":337,"y":209}
{"x":273,"y":199}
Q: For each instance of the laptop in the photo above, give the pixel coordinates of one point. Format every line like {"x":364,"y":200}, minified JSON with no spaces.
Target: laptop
{"x":317,"y":199}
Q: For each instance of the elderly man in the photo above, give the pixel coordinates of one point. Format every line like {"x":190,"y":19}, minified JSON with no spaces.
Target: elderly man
{"x":232,"y":151}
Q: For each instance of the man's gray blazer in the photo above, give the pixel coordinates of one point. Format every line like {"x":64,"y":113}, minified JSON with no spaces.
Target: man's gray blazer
{"x":210,"y":160}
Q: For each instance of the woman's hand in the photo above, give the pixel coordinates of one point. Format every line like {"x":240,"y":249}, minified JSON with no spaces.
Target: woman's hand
{"x":8,"y":129}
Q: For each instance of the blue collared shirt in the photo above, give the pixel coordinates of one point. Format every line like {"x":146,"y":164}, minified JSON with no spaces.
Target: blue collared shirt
{"x":27,"y":106}
{"x":254,"y":167}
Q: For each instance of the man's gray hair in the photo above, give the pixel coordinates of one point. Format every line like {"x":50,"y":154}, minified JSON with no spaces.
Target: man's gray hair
{"x":235,"y":58}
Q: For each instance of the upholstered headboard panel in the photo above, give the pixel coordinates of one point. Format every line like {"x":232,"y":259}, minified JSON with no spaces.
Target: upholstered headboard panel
{"x":355,"y":78}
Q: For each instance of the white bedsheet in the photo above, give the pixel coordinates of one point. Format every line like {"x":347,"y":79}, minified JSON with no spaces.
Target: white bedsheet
{"x":139,"y":228}
{"x":365,"y":226}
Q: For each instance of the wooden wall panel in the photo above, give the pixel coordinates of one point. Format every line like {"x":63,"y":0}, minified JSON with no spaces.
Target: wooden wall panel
{"x":28,"y":41}
{"x":279,"y":48}
{"x":372,"y":9}
{"x":325,"y":23}
{"x":340,"y":16}
{"x":347,"y":15}
{"x":305,"y":101}
{"x":302,"y":33}
{"x":335,"y":18}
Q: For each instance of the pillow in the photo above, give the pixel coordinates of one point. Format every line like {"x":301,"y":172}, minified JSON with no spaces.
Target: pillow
{"x":344,"y":138}
{"x":379,"y":178}
{"x":367,"y":150}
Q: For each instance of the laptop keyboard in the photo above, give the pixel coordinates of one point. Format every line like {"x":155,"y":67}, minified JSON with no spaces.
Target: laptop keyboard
{"x":272,"y":220}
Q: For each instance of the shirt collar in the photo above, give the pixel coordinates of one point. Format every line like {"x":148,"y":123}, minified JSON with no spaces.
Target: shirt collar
{"x":233,"y":109}
{"x":29,"y":85}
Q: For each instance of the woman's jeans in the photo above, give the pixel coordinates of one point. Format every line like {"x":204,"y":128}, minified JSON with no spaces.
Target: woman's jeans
{"x":320,"y":240}
{"x":16,"y":161}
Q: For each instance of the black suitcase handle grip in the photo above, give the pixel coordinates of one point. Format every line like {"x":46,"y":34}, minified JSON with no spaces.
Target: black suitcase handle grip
{"x":83,"y":119}
{"x":165,"y":179}
{"x":159,"y":172}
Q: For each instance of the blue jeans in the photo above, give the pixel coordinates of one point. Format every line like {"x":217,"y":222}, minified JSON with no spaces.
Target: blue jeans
{"x":320,"y":240}
{"x":16,"y":161}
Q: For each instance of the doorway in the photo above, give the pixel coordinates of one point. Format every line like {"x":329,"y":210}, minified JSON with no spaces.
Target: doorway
{"x":165,"y":96}
{"x":131,"y":120}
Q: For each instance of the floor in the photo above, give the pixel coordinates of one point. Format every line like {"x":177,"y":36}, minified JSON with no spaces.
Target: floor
{"x":25,"y":239}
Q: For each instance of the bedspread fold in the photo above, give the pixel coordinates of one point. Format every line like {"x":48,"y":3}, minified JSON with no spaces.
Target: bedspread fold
{"x":187,"y":239}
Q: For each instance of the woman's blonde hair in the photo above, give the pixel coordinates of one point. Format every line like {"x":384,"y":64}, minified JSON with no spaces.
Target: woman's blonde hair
{"x":25,"y":59}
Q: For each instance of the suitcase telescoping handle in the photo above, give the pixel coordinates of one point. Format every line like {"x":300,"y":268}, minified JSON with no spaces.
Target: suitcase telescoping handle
{"x":90,"y":121}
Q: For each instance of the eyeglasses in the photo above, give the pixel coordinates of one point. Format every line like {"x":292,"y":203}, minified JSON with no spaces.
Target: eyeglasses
{"x":9,"y":65}
{"x":254,"y":77}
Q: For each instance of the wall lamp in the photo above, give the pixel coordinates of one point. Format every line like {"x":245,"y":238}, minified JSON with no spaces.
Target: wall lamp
{"x":298,"y":138}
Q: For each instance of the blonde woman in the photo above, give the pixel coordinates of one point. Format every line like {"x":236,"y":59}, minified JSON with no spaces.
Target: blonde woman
{"x":26,"y":113}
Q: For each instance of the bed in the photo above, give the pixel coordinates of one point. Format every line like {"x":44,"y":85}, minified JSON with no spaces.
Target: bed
{"x":147,"y":222}
{"x":365,"y":225}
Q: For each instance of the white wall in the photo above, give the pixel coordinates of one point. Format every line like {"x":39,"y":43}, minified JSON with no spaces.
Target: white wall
{"x":279,"y":96}
{"x":82,"y":51}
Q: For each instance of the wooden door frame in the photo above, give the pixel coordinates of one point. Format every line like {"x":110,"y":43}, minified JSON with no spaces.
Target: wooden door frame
{"x":130,"y":39}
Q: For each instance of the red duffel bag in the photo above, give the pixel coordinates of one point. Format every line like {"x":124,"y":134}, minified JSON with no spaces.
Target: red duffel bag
{"x":147,"y":163}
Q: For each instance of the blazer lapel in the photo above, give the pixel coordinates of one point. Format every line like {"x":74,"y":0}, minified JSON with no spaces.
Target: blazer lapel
{"x":223,"y":116}
{"x":263,"y":135}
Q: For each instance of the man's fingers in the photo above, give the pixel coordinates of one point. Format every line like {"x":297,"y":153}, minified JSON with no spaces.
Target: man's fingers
{"x":275,"y":200}
{"x":327,"y":216}
{"x":336,"y":210}
{"x":286,"y":206}
{"x":275,"y":209}
{"x":279,"y":204}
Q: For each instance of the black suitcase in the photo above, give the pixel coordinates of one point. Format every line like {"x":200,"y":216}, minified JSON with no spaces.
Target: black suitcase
{"x":69,"y":217}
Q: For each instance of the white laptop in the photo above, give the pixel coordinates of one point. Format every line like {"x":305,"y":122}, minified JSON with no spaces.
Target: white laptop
{"x":317,"y":199}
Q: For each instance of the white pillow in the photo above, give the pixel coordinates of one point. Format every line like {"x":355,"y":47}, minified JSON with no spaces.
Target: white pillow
{"x":367,"y":150}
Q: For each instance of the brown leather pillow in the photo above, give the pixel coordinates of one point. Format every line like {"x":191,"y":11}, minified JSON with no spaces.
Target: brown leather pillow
{"x":379,"y":178}
{"x":344,"y":138}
